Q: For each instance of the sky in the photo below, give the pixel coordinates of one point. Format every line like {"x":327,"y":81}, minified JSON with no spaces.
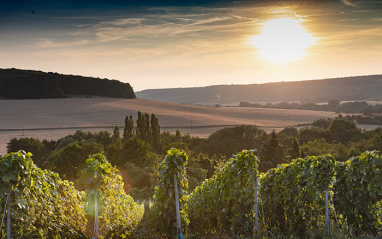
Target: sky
{"x":168,"y":44}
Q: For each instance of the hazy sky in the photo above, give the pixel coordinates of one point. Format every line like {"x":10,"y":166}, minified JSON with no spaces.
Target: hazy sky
{"x":166,"y":44}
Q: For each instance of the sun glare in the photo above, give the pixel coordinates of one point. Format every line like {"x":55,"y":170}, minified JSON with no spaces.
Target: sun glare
{"x":283,"y":40}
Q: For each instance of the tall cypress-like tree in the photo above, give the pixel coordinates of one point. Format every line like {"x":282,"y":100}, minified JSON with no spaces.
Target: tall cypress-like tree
{"x":128,"y":131}
{"x":178,"y":136}
{"x":155,"y":131}
{"x":271,"y":154}
{"x":147,"y":128}
{"x":140,"y":126}
{"x":116,"y":135}
{"x":295,"y":151}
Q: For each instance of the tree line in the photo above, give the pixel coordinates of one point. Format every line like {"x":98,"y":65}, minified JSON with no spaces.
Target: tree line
{"x":30,"y":84}
{"x":371,"y":114}
{"x":138,"y":149}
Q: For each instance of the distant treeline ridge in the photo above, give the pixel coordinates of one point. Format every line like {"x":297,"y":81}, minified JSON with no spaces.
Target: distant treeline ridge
{"x":30,"y":84}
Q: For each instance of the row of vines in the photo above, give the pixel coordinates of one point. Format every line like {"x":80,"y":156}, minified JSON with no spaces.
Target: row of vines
{"x":292,"y":196}
{"x":45,"y":206}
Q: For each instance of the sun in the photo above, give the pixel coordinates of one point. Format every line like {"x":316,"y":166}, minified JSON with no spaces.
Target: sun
{"x":283,"y":40}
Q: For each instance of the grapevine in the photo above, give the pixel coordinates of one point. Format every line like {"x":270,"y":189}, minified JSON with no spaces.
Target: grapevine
{"x":163,"y":211}
{"x":43,"y":205}
{"x":359,"y":192}
{"x":119,"y":214}
{"x":226,"y":200}
{"x":292,"y":194}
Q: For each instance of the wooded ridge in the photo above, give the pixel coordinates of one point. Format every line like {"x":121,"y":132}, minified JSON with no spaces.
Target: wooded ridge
{"x":30,"y":84}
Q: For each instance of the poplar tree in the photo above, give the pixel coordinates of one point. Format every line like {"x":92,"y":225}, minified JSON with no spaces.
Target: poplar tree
{"x":155,"y":131}
{"x":147,"y":128}
{"x":178,"y":137}
{"x":140,"y":126}
{"x":116,"y":135}
{"x":295,"y":151}
{"x":128,"y":131}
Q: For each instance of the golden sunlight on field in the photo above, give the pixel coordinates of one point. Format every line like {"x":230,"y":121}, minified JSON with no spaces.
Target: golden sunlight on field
{"x":55,"y":118}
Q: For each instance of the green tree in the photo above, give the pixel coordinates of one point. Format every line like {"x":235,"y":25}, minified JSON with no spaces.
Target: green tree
{"x":271,"y":154}
{"x":307,"y":134}
{"x":114,"y":154}
{"x":208,"y":163}
{"x":290,"y":131}
{"x":230,"y":140}
{"x":344,"y":131}
{"x":147,"y":128}
{"x":295,"y":151}
{"x":116,"y":135}
{"x":322,"y":123}
{"x":103,"y":137}
{"x":137,"y":151}
{"x":142,"y":181}
{"x":64,"y":142}
{"x":35,"y":146}
{"x":155,"y":131}
{"x":50,"y":144}
{"x":140,"y":126}
{"x":82,"y":135}
{"x":70,"y":160}
{"x":128,"y":131}
{"x":178,"y":136}
{"x":317,"y":147}
{"x":321,"y":147}
{"x":376,"y":142}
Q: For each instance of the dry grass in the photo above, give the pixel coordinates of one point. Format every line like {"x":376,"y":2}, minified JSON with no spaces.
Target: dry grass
{"x":63,"y":115}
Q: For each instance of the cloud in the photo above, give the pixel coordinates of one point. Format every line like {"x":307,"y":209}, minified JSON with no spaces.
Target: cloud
{"x":48,"y":43}
{"x":124,"y":22}
{"x":349,"y":3}
{"x":175,"y":24}
{"x":352,"y":42}
{"x":348,"y":20}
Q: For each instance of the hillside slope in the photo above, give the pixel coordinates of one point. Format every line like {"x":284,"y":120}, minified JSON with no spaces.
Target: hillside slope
{"x":28,"y":84}
{"x":313,"y":91}
{"x":55,"y":118}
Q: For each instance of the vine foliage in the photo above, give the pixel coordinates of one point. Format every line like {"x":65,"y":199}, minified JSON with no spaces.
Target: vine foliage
{"x":358,"y":192}
{"x":163,"y":210}
{"x":293,"y":194}
{"x":43,"y":205}
{"x":226,"y":200}
{"x":119,"y":215}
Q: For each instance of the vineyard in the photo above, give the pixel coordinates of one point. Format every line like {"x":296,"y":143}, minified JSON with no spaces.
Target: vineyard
{"x":295,"y":199}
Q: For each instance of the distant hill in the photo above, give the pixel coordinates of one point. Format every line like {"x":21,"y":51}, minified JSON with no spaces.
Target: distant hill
{"x":29,"y":84}
{"x":312,"y":91}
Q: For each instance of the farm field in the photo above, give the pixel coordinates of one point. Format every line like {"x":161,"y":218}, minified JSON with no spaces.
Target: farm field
{"x":55,"y":118}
